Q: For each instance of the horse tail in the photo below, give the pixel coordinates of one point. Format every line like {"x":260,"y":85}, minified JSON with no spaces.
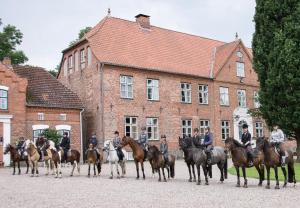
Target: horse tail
{"x":262,"y":169}
{"x":291,"y":173}
{"x":225,"y":168}
{"x":172,"y":168}
{"x":99,"y":167}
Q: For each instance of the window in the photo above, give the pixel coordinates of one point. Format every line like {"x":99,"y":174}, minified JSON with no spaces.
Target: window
{"x":225,"y":129}
{"x":82,"y":59}
{"x":76,"y":64}
{"x":203,"y":125}
{"x":61,"y":132}
{"x":126,"y":87}
{"x":203,"y":94}
{"x":186,"y":93}
{"x":65,"y":67}
{"x":41,"y":116}
{"x":152,"y":128}
{"x":3,"y":99}
{"x":63,"y":117}
{"x":89,"y":56}
{"x":70,"y":61}
{"x":152,"y":89}
{"x":239,"y":54}
{"x":187,"y":128}
{"x":36,"y":133}
{"x":224,"y":96}
{"x":241,"y":98}
{"x":256,"y":100}
{"x":259,"y":129}
{"x":240,"y":69}
{"x":131,"y":127}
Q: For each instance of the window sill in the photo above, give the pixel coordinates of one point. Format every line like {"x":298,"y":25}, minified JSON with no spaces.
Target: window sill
{"x":4,"y":110}
{"x":126,"y":98}
{"x":153,"y":140}
{"x":153,"y":100}
{"x":203,"y":103}
{"x":224,"y":105}
{"x":185,"y":102}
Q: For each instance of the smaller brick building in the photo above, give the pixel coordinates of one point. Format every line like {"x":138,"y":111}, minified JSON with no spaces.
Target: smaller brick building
{"x":32,"y":100}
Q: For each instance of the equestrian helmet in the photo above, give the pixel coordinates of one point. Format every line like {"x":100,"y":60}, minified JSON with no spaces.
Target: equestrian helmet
{"x":245,"y":126}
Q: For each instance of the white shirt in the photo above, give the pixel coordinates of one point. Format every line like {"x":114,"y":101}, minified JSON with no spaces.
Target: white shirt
{"x":277,"y":136}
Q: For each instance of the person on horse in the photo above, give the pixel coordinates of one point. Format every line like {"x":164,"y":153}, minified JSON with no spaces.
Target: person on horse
{"x":277,"y":140}
{"x":118,"y":145}
{"x":197,"y":138}
{"x":65,"y":145}
{"x":143,"y":141}
{"x":208,"y":143}
{"x":246,"y":140}
{"x":164,"y":149}
{"x":39,"y":143}
{"x":21,"y":146}
{"x":94,"y":142}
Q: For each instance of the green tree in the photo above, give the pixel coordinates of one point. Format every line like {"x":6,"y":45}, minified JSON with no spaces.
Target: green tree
{"x":81,"y":33}
{"x":54,"y":72}
{"x":52,"y":134}
{"x":10,"y":38}
{"x":276,"y":59}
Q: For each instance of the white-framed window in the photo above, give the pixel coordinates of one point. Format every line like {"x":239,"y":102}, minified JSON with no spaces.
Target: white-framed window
{"x":239,"y":54}
{"x":36,"y":133}
{"x":225,"y":129}
{"x":63,"y":117}
{"x":186,"y":93}
{"x":89,"y":56}
{"x":3,"y":99}
{"x":126,"y":88}
{"x":241,"y":95}
{"x":259,"y":129}
{"x":240,"y":69}
{"x":224,"y":96}
{"x":70,"y":62}
{"x":187,"y":127}
{"x":76,"y":61}
{"x":65,"y":67}
{"x":203,"y":94}
{"x":256,"y":99}
{"x":131,"y":128}
{"x":82,"y":58}
{"x":152,"y":128}
{"x":41,"y":116}
{"x":203,"y":124}
{"x":152,"y":89}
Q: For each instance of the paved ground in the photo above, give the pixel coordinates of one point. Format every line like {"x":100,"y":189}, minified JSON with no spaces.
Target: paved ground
{"x":80,"y":191}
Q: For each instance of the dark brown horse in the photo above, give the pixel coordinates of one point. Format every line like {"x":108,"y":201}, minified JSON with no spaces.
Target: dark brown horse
{"x":185,"y":144}
{"x":92,"y":159}
{"x":239,"y":159}
{"x":16,"y":158}
{"x":272,"y":160}
{"x":138,"y":154}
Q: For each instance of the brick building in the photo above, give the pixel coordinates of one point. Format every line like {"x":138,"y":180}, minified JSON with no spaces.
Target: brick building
{"x":131,"y":74}
{"x":32,"y":100}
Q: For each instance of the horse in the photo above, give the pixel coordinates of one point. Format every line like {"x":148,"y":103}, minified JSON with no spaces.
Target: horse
{"x":73,"y":157}
{"x":16,"y":158}
{"x":138,"y":154}
{"x":185,"y":144}
{"x":33,"y":157}
{"x":114,"y":159}
{"x":56,"y":157}
{"x":92,"y":159}
{"x":239,"y":159}
{"x":272,"y":160}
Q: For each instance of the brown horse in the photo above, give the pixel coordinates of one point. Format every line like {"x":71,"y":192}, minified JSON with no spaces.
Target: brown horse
{"x":73,"y":157}
{"x":16,"y":158}
{"x":239,"y":159}
{"x":33,"y":157}
{"x":92,"y":159}
{"x":272,"y":160}
{"x":138,"y":154}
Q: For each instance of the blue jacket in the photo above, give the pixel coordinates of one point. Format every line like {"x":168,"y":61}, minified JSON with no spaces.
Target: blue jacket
{"x":94,"y":141}
{"x":208,"y":139}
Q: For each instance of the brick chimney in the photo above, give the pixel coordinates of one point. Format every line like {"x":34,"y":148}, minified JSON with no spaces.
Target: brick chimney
{"x":143,"y":20}
{"x":7,"y":62}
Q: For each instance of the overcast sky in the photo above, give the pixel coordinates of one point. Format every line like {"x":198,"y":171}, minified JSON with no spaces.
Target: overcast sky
{"x":49,"y":25}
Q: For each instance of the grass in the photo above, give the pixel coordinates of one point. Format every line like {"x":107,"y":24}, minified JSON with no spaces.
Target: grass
{"x":252,"y":173}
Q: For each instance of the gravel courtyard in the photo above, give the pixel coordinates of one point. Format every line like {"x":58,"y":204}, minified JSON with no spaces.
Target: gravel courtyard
{"x":80,"y":191}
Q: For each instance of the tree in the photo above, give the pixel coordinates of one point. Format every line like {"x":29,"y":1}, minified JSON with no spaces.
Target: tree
{"x":81,"y":33}
{"x":10,"y":38}
{"x":54,"y":72}
{"x":276,"y":59}
{"x":52,"y":134}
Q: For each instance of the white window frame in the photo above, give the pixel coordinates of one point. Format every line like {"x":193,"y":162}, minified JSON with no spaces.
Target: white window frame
{"x":224,"y":96}
{"x":152,"y":128}
{"x":202,"y":125}
{"x":4,"y":99}
{"x":40,"y":116}
{"x":256,"y":99}
{"x":259,"y":129}
{"x":126,"y":82}
{"x":133,"y":134}
{"x":225,"y":125}
{"x":186,"y":92}
{"x":66,"y":67}
{"x":240,"y":69}
{"x":89,"y":56}
{"x":186,"y":127}
{"x":241,"y":97}
{"x":70,"y":61}
{"x":38,"y":129}
{"x":76,"y":62}
{"x":203,"y":93}
{"x":63,"y":117}
{"x":82,"y":58}
{"x":153,"y":89}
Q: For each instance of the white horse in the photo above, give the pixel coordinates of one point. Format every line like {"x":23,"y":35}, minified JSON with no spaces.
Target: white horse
{"x":114,"y":159}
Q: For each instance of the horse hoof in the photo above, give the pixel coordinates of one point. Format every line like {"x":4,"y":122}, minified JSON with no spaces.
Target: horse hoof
{"x":267,"y":186}
{"x":111,"y":177}
{"x":71,"y":175}
{"x":260,"y":184}
{"x":237,"y":185}
{"x":198,"y":183}
{"x":137,"y":178}
{"x":194,"y":180}
{"x":206,"y":183}
{"x":122,"y":176}
{"x":190,"y":180}
{"x":19,"y":173}
{"x":245,"y":186}
{"x":94,"y":176}
{"x":118,"y":177}
{"x":88,"y":176}
{"x":37,"y":176}
{"x":277,"y":187}
{"x":159,"y":180}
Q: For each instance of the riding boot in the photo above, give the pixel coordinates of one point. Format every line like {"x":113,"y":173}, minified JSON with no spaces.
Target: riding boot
{"x":208,"y":155}
{"x":282,"y":161}
{"x":43,"y":157}
{"x":250,"y":159}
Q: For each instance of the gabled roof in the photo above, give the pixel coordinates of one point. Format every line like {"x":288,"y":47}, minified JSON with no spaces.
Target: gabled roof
{"x":44,"y":90}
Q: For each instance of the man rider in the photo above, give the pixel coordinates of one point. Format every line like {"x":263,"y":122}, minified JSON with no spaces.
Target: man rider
{"x":197,"y":138}
{"x":277,"y":140}
{"x":143,"y":140}
{"x":246,"y":140}
{"x":164,"y":149}
{"x":65,"y":145}
{"x":94,"y":142}
{"x":208,"y":143}
{"x":118,"y":146}
{"x":39,"y":143}
{"x":21,"y":146}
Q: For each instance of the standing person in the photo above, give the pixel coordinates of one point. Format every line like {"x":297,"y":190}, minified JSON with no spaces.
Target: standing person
{"x":65,"y":145}
{"x":246,"y":140}
{"x":208,"y":143}
{"x":118,"y":146}
{"x":277,"y":140}
{"x":164,"y":149}
{"x":197,"y":138}
{"x":143,"y":141}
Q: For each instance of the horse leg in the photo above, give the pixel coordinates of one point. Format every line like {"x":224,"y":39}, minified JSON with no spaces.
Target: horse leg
{"x":159,"y":176}
{"x":163,"y":170}
{"x":205,"y":174}
{"x":137,"y":169}
{"x":260,"y":175}
{"x":142,"y":164}
{"x":193,"y":168}
{"x":198,"y":174}
{"x":14,"y":165}
{"x":95,"y":169}
{"x":27,"y":164}
{"x":117,"y":169}
{"x":36,"y":168}
{"x":284,"y":174}
{"x":276,"y":177}
{"x":32,"y":168}
{"x":189,"y":167}
{"x":268,"y":177}
{"x":221,"y":168}
{"x":19,"y":167}
{"x":245,"y":177}
{"x":237,"y":168}
{"x":153,"y":175}
{"x":89,"y":170}
{"x":168,"y":169}
{"x":111,"y":170}
{"x":73,"y":167}
{"x":78,"y":167}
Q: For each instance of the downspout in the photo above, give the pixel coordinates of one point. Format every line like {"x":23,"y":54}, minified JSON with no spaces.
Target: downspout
{"x":81,"y":136}
{"x":101,"y":102}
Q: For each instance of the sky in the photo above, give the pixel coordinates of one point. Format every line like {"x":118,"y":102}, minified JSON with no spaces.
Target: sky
{"x":49,"y":26}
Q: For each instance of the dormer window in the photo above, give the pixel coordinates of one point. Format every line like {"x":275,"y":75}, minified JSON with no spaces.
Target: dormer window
{"x":70,"y":62}
{"x":240,"y":69}
{"x":3,"y":99}
{"x":239,"y":54}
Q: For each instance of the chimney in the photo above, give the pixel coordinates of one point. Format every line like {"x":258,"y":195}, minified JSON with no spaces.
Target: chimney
{"x":7,"y":62}
{"x":143,"y":20}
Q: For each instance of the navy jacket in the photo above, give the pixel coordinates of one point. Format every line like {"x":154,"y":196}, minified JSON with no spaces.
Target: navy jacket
{"x":208,"y":139}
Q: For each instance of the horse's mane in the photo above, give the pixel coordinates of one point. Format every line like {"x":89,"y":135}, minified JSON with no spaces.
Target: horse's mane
{"x":237,"y":143}
{"x":154,"y":147}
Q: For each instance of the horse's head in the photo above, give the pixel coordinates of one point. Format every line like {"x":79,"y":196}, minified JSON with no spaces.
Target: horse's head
{"x":229,"y":143}
{"x":108,"y":145}
{"x":152,"y":152}
{"x":184,"y":142}
{"x":261,"y":142}
{"x":125,"y":141}
{"x":7,"y":149}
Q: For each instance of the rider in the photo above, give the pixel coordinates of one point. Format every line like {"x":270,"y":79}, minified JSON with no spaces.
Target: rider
{"x":277,"y":140}
{"x":164,"y":148}
{"x":118,"y":146}
{"x":246,"y":140}
{"x":143,"y":140}
{"x":65,"y":145}
{"x":21,"y":146}
{"x":39,"y":143}
{"x":94,"y":142}
{"x":197,"y":138}
{"x":208,"y":143}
